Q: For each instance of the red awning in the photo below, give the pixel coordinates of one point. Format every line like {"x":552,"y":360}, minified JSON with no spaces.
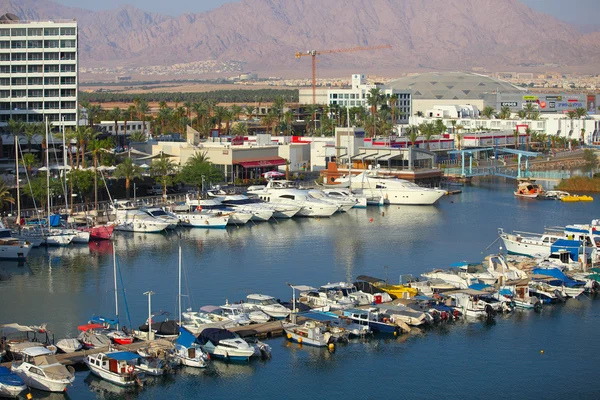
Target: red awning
{"x":89,"y":326}
{"x":260,"y":162}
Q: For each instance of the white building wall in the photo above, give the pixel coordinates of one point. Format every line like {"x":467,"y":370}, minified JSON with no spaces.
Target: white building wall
{"x":39,"y":72}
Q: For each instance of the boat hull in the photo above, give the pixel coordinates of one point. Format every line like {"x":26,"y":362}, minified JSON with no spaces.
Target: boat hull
{"x":297,"y":338}
{"x":206,"y":221}
{"x":524,"y":248}
{"x":42,"y":383}
{"x":127,"y":380}
{"x":398,"y":197}
{"x":15,"y":252}
{"x":100,"y":232}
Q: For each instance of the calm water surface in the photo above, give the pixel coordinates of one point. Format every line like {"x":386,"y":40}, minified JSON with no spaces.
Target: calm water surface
{"x":64,"y":287}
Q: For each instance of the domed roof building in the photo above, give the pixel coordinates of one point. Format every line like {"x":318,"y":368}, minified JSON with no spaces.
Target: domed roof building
{"x":452,"y":86}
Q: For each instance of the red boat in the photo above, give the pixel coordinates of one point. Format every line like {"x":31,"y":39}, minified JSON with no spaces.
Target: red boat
{"x":99,"y":232}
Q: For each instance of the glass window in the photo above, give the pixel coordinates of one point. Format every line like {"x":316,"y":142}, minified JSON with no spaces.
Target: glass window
{"x":19,"y":81}
{"x":67,"y":55}
{"x":50,"y":56}
{"x":35,"y":56}
{"x":67,"y":43}
{"x":4,"y":69}
{"x":19,"y":56}
{"x":4,"y":94}
{"x":19,"y":93}
{"x":5,"y":57}
{"x":51,"y":68}
{"x":18,"y":32}
{"x":35,"y":81}
{"x":4,"y":81}
{"x":51,"y":81}
{"x":67,"y":31}
{"x":52,"y":105}
{"x":50,"y":31}
{"x":5,"y":44}
{"x":51,"y":93}
{"x":67,"y":80}
{"x":18,"y":69}
{"x":18,"y":44}
{"x":36,"y":105}
{"x":34,"y":31}
{"x":51,"y":44}
{"x":35,"y":44}
{"x":32,"y":69}
{"x":67,"y":68}
{"x":4,"y":32}
{"x":36,"y":93}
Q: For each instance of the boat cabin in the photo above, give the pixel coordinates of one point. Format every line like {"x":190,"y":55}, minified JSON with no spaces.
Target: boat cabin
{"x":260,"y":300}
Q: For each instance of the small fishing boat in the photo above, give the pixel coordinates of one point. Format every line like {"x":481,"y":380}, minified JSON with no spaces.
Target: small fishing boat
{"x":115,"y":367}
{"x":545,"y":293}
{"x":528,"y":189}
{"x":376,"y":320}
{"x":188,"y":350}
{"x":521,"y":297}
{"x":40,"y":370}
{"x":69,"y":345}
{"x":93,"y":336}
{"x":221,"y":343}
{"x":11,"y":384}
{"x":311,"y":333}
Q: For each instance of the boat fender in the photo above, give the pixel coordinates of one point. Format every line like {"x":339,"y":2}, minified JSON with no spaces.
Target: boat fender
{"x":130,"y":369}
{"x":199,"y":208}
{"x":455,"y":313}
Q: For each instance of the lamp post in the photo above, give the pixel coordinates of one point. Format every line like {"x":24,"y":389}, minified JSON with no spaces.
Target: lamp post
{"x":203,"y":178}
{"x":149,"y":293}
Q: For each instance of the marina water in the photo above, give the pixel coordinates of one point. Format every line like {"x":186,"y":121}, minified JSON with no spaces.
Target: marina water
{"x":526,"y":354}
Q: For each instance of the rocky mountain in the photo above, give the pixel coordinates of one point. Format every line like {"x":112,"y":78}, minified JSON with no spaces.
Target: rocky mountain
{"x":266,"y":34}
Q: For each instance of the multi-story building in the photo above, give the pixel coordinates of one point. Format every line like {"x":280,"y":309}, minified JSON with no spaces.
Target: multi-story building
{"x":357,"y":96}
{"x":38,"y":71}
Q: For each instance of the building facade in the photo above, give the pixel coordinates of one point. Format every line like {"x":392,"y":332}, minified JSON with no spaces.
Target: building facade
{"x":544,"y":103}
{"x":38,"y":71}
{"x":357,"y":96}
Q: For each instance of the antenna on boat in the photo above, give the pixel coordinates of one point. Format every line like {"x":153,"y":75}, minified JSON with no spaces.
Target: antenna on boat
{"x":179,"y":297}
{"x":115,"y":281}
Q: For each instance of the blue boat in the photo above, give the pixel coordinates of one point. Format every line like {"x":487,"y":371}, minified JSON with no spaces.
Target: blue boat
{"x":377,"y":321}
{"x":11,"y":385}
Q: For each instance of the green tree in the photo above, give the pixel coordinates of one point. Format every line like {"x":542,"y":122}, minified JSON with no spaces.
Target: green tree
{"x":5,"y":195}
{"x":129,"y":171}
{"x":374,"y":98}
{"x":163,"y":170}
{"x":581,"y":112}
{"x":439,"y":128}
{"x":83,"y":135}
{"x":270,"y":122}
{"x":28,"y":161}
{"x":138,"y":137}
{"x":590,"y":157}
{"x":516,"y":137}
{"x":505,"y":112}
{"x":81,"y":181}
{"x":31,"y":130}
{"x":522,"y":114}
{"x":529,"y":108}
{"x":198,"y":169}
{"x":240,"y":129}
{"x":488,"y":112}
{"x":96,"y":147}
{"x":37,"y":188}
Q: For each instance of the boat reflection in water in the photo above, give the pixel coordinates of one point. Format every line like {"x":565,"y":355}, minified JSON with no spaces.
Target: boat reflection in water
{"x":9,"y":269}
{"x":109,"y":390}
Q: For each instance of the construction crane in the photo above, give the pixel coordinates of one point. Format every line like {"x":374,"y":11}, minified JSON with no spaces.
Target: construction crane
{"x":315,"y":53}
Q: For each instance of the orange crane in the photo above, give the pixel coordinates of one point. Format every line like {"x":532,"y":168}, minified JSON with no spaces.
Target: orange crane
{"x":315,"y":53}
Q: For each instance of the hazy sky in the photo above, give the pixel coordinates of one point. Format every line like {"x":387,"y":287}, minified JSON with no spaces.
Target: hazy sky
{"x":577,"y":11}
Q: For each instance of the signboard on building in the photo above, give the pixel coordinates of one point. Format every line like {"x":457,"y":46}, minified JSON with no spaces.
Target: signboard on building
{"x":509,"y":104}
{"x":237,"y":141}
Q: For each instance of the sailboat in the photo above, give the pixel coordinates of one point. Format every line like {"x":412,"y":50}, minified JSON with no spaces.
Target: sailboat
{"x":111,"y":326}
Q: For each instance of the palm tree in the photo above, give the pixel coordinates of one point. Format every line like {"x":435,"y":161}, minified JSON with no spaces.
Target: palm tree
{"x":163,"y":169}
{"x":583,"y":135}
{"x":164,"y":116}
{"x":138,"y":137}
{"x":277,"y":106}
{"x":529,"y":108}
{"x":240,"y":129}
{"x":199,"y":158}
{"x":220,"y":115}
{"x":580,"y":112}
{"x":439,"y":127}
{"x":93,"y":112}
{"x":28,"y":162}
{"x":393,"y":102}
{"x":188,"y":106}
{"x":419,"y":114}
{"x":5,"y":196}
{"x":453,"y":123}
{"x":522,"y":114}
{"x":17,"y":128}
{"x":95,"y":147}
{"x":236,"y":110}
{"x":270,"y":121}
{"x":31,"y":130}
{"x":413,"y":135}
{"x":250,"y":111}
{"x":128,"y":170}
{"x":143,"y":110}
{"x":427,"y":129}
{"x":374,"y":97}
{"x":128,"y":115}
{"x":488,"y":112}
{"x":528,"y":134}
{"x":115,"y":115}
{"x":505,"y":112}
{"x":83,"y":134}
{"x":534,"y":115}
{"x":516,"y":136}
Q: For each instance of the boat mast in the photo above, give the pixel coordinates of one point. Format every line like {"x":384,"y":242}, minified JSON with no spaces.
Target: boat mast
{"x":115,"y":280}
{"x":179,"y":297}
{"x":47,"y":175}
{"x":348,"y":151}
{"x":17,"y":175}
{"x":64,"y":143}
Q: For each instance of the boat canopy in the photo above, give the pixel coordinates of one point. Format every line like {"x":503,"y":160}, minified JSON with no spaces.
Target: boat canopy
{"x":572,"y":246}
{"x":103,"y":320}
{"x":423,"y":298}
{"x":479,"y":286}
{"x":318,"y":316}
{"x":215,"y":335}
{"x":303,"y":288}
{"x":369,"y":279}
{"x":88,"y":327}
{"x":558,"y":274}
{"x":8,"y":329}
{"x":460,"y":264}
{"x":123,"y":356}
{"x":169,"y":327}
{"x":186,"y":338}
{"x":210,"y":309}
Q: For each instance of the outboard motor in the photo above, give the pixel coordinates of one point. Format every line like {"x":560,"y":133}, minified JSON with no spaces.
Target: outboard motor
{"x":559,"y":295}
{"x":489,"y":311}
{"x":537,"y":306}
{"x":595,"y":287}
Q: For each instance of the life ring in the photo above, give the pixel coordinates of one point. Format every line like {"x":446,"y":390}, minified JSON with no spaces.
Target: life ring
{"x":130,"y":369}
{"x":199,"y":208}
{"x":206,"y":222}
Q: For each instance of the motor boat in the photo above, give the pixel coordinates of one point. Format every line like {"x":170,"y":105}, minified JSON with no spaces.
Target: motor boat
{"x":266,"y":304}
{"x":200,"y":219}
{"x":222,"y":343}
{"x":399,"y":291}
{"x":521,"y":298}
{"x":469,"y":305}
{"x":400,"y":312}
{"x":109,"y":330}
{"x":528,"y":189}
{"x":115,"y":367}
{"x":98,"y":231}
{"x":378,"y":321}
{"x":18,"y":338}
{"x":393,"y":190}
{"x":11,"y":384}
{"x":188,"y":350}
{"x":452,"y":278}
{"x":344,"y":204}
{"x":545,"y":293}
{"x":162,"y":329}
{"x":14,"y":249}
{"x":214,"y":206}
{"x":260,"y":210}
{"x":45,"y":236}
{"x":360,"y":201}
{"x":40,"y":370}
{"x":209,"y":315}
{"x":69,"y":345}
{"x":153,"y":362}
{"x":236,"y":313}
{"x":312,"y":333}
{"x":557,"y":280}
{"x":533,"y":244}
{"x":129,"y":218}
{"x":281,"y":192}
{"x":93,"y":336}
{"x":163,"y":215}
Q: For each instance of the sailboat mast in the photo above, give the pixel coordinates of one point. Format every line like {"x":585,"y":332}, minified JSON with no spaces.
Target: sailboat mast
{"x":115,"y":280}
{"x":64,"y":143}
{"x":179,"y":298}
{"x":348,"y":152}
{"x":17,"y":175}
{"x":47,"y":175}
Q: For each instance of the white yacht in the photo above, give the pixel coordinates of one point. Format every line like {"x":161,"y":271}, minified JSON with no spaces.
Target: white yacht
{"x":343,"y":203}
{"x":163,"y":215}
{"x":393,"y":190}
{"x":128,"y":218}
{"x":280,"y":211}
{"x":530,"y":244}
{"x":280,"y":192}
{"x":240,"y":203}
{"x":40,"y":370}
{"x":360,"y":200}
{"x":266,"y":304}
{"x":215,"y":207}
{"x":38,"y":235}
{"x":188,"y":350}
{"x":200,"y":219}
{"x":14,"y":249}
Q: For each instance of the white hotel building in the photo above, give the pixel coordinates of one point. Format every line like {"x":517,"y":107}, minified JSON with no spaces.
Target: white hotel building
{"x":356,"y":96}
{"x":38,"y":71}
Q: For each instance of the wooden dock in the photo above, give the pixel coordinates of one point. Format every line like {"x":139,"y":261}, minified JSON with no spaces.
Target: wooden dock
{"x":266,"y":330}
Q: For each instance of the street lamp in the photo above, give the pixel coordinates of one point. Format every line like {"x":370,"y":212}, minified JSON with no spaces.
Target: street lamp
{"x":149,"y":293}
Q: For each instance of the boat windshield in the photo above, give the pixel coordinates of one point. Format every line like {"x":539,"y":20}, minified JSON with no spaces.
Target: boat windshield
{"x":157,"y":213}
{"x":268,"y":302}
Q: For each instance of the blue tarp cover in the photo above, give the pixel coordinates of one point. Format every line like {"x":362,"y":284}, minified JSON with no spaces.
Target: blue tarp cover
{"x":572,"y":246}
{"x":459,"y":264}
{"x":317,"y":316}
{"x":99,"y":319}
{"x":215,"y":335}
{"x":186,"y":338}
{"x":123,"y":356}
{"x":479,"y":286}
{"x":558,"y":274}
{"x":55,"y":220}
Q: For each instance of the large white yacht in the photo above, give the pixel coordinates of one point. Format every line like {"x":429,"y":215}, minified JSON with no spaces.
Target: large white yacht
{"x":215,"y":207}
{"x":281,"y":192}
{"x":12,"y":248}
{"x":260,"y":211}
{"x":344,"y":203}
{"x":393,"y":190}
{"x":129,"y":218}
